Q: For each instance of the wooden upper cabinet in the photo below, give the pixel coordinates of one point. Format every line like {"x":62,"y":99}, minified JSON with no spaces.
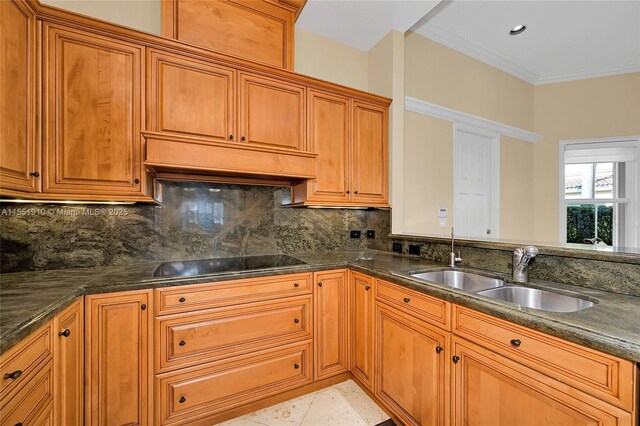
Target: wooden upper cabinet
{"x":272,"y":113}
{"x":489,"y":389}
{"x":258,"y":30}
{"x":370,"y":171}
{"x":93,"y":114}
{"x":331,"y":323}
{"x":19,"y":144}
{"x":69,"y":365}
{"x":329,"y":137}
{"x":118,"y":358}
{"x":412,"y":368}
{"x":191,"y":97}
{"x":361,"y":303}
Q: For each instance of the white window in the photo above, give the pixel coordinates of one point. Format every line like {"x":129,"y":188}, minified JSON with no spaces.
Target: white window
{"x":599,"y":192}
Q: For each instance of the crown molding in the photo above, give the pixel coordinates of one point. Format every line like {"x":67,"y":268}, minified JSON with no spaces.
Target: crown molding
{"x":583,"y":75}
{"x":470,"y":49}
{"x":433,"y":110}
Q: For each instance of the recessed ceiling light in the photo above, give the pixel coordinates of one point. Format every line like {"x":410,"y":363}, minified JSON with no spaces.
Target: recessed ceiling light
{"x":518,"y":29}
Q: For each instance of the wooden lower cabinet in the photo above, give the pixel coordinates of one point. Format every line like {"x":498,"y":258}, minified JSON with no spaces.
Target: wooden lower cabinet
{"x":29,"y":403}
{"x":69,"y":365}
{"x":331,"y":323}
{"x":411,"y":367}
{"x":118,"y":361}
{"x":489,"y":389}
{"x":192,"y":395}
{"x":361,"y":334}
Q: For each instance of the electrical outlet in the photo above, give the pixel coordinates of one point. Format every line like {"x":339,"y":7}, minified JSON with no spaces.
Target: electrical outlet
{"x":397,"y":247}
{"x":355,"y":234}
{"x":414,"y":249}
{"x":371,"y":233}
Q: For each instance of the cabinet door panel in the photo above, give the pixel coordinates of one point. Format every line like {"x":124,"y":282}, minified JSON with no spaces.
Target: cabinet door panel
{"x":118,"y":358}
{"x":370,"y":153}
{"x":362,"y":335}
{"x":489,"y":389}
{"x":411,"y":371}
{"x":191,"y":97}
{"x":69,"y":359}
{"x":329,"y":137}
{"x":272,"y":113}
{"x":19,"y":146}
{"x":93,"y":114}
{"x":331,"y":326}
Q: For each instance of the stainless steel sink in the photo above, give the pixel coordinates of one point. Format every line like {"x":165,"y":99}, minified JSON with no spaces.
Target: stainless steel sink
{"x":460,"y":280}
{"x":537,"y":299}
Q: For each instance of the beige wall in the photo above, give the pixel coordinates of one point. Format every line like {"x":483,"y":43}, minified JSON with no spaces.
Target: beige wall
{"x":142,"y":15}
{"x":584,"y":109}
{"x":322,"y":58}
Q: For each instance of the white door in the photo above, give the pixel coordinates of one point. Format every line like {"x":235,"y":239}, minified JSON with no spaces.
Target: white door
{"x":475,"y":186}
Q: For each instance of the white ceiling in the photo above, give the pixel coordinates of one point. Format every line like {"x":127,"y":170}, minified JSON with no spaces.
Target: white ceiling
{"x":361,"y":23}
{"x":564,"y":40}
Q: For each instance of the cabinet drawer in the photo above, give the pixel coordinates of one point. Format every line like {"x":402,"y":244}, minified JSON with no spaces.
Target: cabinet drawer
{"x":195,"y":393}
{"x":202,"y":296}
{"x":23,"y":359}
{"x":604,"y":376}
{"x":207,"y":336}
{"x":28,"y":404}
{"x":427,"y":308}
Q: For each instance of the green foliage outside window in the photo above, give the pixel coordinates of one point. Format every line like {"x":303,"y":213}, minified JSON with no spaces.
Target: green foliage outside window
{"x":581,"y":223}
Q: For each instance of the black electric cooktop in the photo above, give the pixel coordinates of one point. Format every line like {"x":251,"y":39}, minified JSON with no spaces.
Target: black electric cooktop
{"x":226,"y":264}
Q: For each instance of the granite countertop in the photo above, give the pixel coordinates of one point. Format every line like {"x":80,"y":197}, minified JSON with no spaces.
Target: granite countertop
{"x":29,"y":299}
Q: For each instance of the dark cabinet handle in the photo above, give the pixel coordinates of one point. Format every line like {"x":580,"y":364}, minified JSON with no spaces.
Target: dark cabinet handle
{"x":407,"y":300}
{"x":18,"y":424}
{"x":296,"y":285}
{"x":348,"y":192}
{"x":65,"y":333}
{"x":320,"y":284}
{"x":230,"y":137}
{"x":296,"y":320}
{"x":439,"y":349}
{"x":182,"y":300}
{"x":243,"y":139}
{"x":182,"y":400}
{"x":296,"y":366}
{"x":456,"y":358}
{"x":13,"y":375}
{"x":516,"y":342}
{"x":182,"y":343}
{"x":143,"y":307}
{"x":356,"y":192}
{"x":136,"y":181}
{"x":367,"y":287}
{"x":34,"y":174}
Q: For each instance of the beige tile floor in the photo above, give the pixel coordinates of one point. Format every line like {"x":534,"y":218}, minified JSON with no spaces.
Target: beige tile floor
{"x":341,"y":404}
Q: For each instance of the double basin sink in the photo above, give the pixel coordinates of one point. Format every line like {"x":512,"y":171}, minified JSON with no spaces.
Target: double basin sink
{"x":496,"y":288}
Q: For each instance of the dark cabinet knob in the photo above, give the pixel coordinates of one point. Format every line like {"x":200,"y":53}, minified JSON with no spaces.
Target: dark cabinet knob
{"x":65,"y":333}
{"x":439,"y":349}
{"x":18,"y":424}
{"x":296,"y":285}
{"x":34,"y":174}
{"x":136,"y":181}
{"x":348,"y":192}
{"x":356,"y":192}
{"x":516,"y":342}
{"x":407,"y":300}
{"x":243,"y":139}
{"x":182,"y":343}
{"x":182,"y":400}
{"x":296,"y":320}
{"x":230,"y":137}
{"x":456,"y":358}
{"x":320,"y":284}
{"x":143,"y":307}
{"x":182,"y":300}
{"x":13,"y":375}
{"x":296,"y":366}
{"x":367,"y":287}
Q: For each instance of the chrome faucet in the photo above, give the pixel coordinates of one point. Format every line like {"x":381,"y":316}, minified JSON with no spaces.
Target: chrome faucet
{"x":520,"y":264}
{"x":453,"y":259}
